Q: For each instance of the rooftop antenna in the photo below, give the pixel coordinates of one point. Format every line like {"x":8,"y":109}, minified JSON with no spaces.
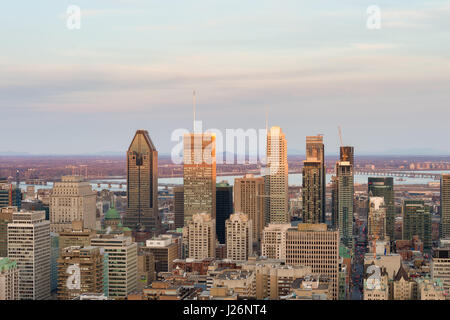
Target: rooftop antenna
{"x":193,"y":106}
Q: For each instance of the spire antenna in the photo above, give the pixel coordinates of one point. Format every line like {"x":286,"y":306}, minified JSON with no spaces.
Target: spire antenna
{"x":193,"y":106}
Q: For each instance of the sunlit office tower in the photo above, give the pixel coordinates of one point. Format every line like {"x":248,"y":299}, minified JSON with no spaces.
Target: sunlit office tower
{"x":384,"y":187}
{"x":314,"y":246}
{"x":6,"y":216}
{"x":273,"y":244}
{"x":376,"y":220}
{"x":417,"y":221}
{"x":72,"y":199}
{"x":199,"y":174}
{"x":201,"y":236}
{"x":445,"y":206}
{"x":224,"y":208}
{"x":122,"y":264}
{"x":29,"y":245}
{"x":142,"y":185}
{"x":313,"y":185}
{"x":80,"y":270}
{"x":249,"y":199}
{"x":239,"y":237}
{"x":344,"y":197}
{"x":276,"y":178}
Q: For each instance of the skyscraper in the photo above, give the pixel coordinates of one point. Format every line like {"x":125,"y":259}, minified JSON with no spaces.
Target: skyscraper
{"x":142,"y":185}
{"x":384,"y":187}
{"x":224,"y":208}
{"x":344,"y":198}
{"x":249,"y":199}
{"x":9,"y":279}
{"x":417,"y":221}
{"x":313,"y":186}
{"x":276,"y":179}
{"x":239,"y":237}
{"x":200,"y":235}
{"x":445,"y":206}
{"x":10,"y":195}
{"x":6,"y":216}
{"x":29,"y":245}
{"x":72,"y":199}
{"x":199,"y":174}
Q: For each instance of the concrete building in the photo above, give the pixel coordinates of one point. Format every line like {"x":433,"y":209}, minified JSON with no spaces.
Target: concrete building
{"x":80,"y":271}
{"x":376,"y":287}
{"x":390,"y":263}
{"x":310,"y":288}
{"x":273,"y":279}
{"x":440,"y":267}
{"x":313,"y":245}
{"x":273,"y":244}
{"x":142,"y":214}
{"x":9,"y":279}
{"x":164,"y":251}
{"x":445,"y":206}
{"x":417,"y":221}
{"x":239,"y":237}
{"x":72,"y":199}
{"x":122,"y":264}
{"x":10,"y":194}
{"x":249,"y":199}
{"x":6,"y":215}
{"x":242,"y":282}
{"x":313,"y":185}
{"x":200,"y":236}
{"x":29,"y":245}
{"x":402,"y":287}
{"x":276,"y":178}
{"x":199,"y":174}
{"x":428,"y":289}
{"x":75,"y":236}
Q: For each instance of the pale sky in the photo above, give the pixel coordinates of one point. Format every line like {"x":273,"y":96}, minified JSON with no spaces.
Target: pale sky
{"x":313,"y":64}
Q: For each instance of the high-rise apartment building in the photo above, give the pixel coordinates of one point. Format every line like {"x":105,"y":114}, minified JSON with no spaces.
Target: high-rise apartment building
{"x":29,"y":245}
{"x":239,"y":237}
{"x":344,"y":198}
{"x":142,"y":186}
{"x":199,"y":174}
{"x":313,"y":185}
{"x":376,"y":220}
{"x":276,"y":178}
{"x":72,"y":199}
{"x":313,"y":245}
{"x":80,"y":271}
{"x":224,"y":208}
{"x":273,"y":244}
{"x":178,"y":195}
{"x":417,"y":221}
{"x":445,"y":206}
{"x":122,"y":264}
{"x":9,"y":279}
{"x":200,"y":235}
{"x":249,"y":199}
{"x":384,"y":187}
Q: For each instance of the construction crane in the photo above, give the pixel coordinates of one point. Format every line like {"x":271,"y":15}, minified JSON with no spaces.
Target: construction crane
{"x":340,"y":136}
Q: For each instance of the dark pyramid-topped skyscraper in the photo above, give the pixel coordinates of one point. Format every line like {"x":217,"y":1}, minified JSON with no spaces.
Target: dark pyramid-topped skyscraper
{"x":142,"y":187}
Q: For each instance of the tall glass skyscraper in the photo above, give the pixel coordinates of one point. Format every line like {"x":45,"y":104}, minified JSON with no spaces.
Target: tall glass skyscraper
{"x":224,"y":208}
{"x":384,"y":187}
{"x":142,"y":185}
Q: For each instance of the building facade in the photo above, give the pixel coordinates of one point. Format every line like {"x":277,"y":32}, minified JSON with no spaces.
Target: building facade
{"x":239,"y":237}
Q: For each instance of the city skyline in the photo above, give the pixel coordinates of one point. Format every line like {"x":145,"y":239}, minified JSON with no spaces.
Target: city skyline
{"x":315,"y":64}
